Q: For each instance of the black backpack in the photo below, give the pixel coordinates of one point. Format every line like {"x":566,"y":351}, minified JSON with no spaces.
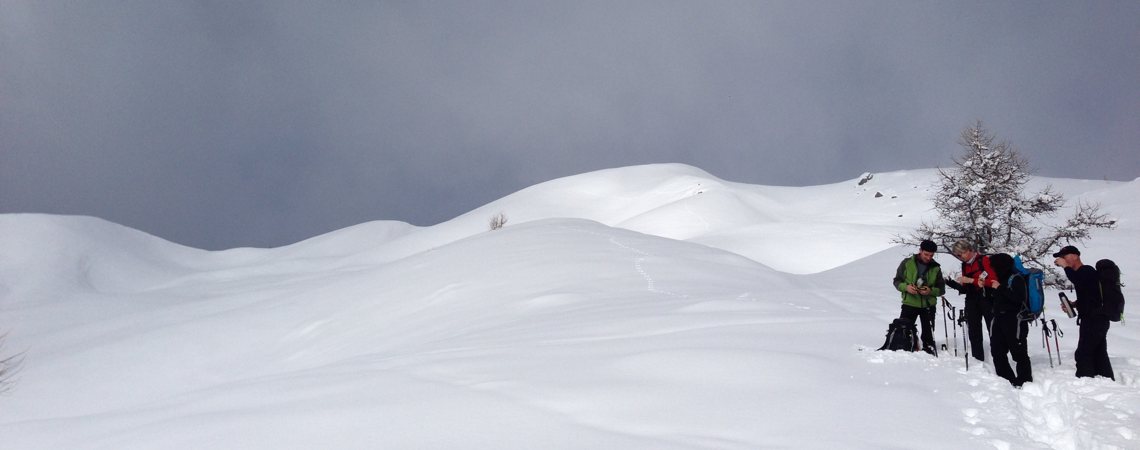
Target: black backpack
{"x":901,"y":335}
{"x":1110,"y":293}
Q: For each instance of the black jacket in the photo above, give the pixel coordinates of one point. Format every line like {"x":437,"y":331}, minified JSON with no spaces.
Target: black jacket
{"x":1087,"y":284}
{"x":1011,"y":298}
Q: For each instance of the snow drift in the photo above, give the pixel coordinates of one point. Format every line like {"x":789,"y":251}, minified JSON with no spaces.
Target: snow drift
{"x":646,"y":307}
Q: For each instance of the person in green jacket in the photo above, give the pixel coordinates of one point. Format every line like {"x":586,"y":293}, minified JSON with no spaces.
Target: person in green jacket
{"x":919,"y":280}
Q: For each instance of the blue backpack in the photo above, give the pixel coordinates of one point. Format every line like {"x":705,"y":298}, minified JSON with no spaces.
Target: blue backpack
{"x":1034,"y":289}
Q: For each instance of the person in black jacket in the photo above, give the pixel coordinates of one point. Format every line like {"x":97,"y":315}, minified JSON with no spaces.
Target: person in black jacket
{"x":973,"y":282}
{"x":1009,"y":333}
{"x":1092,"y":346}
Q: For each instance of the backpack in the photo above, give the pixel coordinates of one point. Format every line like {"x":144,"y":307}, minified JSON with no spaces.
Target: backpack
{"x":901,"y":335}
{"x":1110,"y":293}
{"x":1034,"y":289}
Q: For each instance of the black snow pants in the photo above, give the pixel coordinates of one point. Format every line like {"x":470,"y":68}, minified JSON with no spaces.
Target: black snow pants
{"x":979,"y":308}
{"x":1092,"y":348}
{"x":909,"y":313}
{"x":1009,"y":334}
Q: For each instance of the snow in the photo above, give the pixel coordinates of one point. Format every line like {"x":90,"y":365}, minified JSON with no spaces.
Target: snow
{"x":650,"y":307}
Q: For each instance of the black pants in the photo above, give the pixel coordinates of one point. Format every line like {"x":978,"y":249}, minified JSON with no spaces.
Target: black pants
{"x":1008,"y":335}
{"x":909,"y":313}
{"x":979,"y":309}
{"x":1092,"y":348}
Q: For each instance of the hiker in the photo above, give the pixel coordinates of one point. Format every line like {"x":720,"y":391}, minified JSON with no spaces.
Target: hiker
{"x":919,"y":279}
{"x":1009,"y":332}
{"x":973,"y":282}
{"x":1092,"y":344}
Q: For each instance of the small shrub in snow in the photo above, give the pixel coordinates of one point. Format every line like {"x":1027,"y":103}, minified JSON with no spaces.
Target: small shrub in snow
{"x":498,"y":221}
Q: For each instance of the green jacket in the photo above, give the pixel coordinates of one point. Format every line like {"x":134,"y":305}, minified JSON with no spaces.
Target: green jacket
{"x":907,"y":274}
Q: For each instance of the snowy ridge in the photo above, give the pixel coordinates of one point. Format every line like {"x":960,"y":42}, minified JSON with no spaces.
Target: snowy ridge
{"x":651,"y":307}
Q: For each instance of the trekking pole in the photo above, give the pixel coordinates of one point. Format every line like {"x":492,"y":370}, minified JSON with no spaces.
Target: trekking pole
{"x":954,"y":319}
{"x":966,"y":344}
{"x":945,"y":328}
{"x":1056,"y":342}
{"x":949,"y":309}
{"x":1045,"y":339}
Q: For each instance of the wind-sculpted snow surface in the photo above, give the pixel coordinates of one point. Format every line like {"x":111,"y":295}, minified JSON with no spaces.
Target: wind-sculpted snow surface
{"x":649,"y":307}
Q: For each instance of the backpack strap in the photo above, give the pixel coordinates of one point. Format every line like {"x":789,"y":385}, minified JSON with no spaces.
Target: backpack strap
{"x":1100,"y":286}
{"x":1009,"y":285}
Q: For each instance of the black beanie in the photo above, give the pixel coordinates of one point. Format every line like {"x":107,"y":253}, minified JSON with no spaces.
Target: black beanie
{"x":928,"y":246}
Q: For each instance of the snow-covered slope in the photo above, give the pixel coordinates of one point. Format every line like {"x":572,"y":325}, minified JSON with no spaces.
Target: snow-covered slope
{"x":775,"y":226}
{"x":646,"y":307}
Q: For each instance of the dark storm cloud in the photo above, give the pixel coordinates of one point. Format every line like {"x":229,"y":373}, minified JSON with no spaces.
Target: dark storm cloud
{"x":221,"y":124}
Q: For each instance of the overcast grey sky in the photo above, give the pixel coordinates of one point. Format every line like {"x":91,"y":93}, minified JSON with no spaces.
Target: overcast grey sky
{"x":219,"y":124}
